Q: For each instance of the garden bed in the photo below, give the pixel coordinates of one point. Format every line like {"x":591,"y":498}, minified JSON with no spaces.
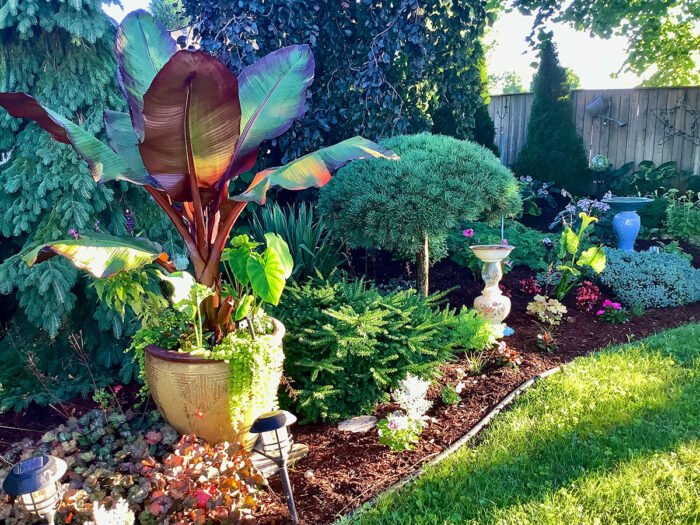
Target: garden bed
{"x":344,"y":469}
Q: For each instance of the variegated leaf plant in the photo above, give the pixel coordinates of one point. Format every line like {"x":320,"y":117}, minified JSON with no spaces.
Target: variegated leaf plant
{"x":193,"y":126}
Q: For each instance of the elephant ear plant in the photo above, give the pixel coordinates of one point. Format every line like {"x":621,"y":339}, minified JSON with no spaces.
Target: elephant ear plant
{"x":192,"y":128}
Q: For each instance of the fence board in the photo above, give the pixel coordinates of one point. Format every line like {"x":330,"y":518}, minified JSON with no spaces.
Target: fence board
{"x":641,"y":139}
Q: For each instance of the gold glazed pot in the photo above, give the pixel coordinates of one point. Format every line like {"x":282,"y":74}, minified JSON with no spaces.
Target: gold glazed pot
{"x":192,"y":393}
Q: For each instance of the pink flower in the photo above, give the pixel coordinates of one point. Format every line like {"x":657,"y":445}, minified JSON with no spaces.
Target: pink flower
{"x":616,"y":306}
{"x":469,"y":232}
{"x":392,"y":424}
{"x":504,"y":241}
{"x":600,"y":312}
{"x":73,"y":233}
{"x":607,"y":302}
{"x":117,"y":388}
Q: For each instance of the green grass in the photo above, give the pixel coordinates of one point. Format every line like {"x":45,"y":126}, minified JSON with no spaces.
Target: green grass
{"x":613,"y":439}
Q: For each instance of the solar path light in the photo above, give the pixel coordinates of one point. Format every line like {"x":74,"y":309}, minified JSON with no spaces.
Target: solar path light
{"x":35,"y":482}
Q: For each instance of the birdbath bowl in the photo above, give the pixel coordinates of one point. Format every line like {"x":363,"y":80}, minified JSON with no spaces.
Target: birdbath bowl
{"x":492,"y":304}
{"x":626,"y":222}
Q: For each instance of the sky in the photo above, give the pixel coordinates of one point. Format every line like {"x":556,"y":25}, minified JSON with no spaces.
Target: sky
{"x":592,"y":59}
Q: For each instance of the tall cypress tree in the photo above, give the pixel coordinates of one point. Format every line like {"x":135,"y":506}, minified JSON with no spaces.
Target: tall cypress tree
{"x":63,"y":54}
{"x":553,"y":151}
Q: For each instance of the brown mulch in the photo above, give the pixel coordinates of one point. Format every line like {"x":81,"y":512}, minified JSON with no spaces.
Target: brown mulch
{"x":342,"y":469}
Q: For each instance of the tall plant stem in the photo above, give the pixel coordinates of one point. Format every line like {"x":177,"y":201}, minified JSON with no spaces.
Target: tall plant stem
{"x":423,"y":266}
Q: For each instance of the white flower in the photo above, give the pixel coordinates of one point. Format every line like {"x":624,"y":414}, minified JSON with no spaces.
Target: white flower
{"x":410,"y":395}
{"x":565,"y":193}
{"x":119,"y":514}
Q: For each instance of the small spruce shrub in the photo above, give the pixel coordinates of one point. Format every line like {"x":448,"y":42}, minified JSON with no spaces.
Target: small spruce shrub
{"x":348,"y":344}
{"x":651,"y":280}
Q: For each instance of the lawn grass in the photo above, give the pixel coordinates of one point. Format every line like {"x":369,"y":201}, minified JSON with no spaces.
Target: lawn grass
{"x":615,"y":438}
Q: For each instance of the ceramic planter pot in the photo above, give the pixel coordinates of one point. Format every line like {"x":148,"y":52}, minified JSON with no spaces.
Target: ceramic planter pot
{"x":192,"y":393}
{"x":626,"y":222}
{"x":492,"y":304}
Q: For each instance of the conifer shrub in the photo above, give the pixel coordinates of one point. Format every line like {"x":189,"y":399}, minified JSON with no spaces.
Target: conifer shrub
{"x":553,"y":151}
{"x":651,"y":280}
{"x":409,"y":206}
{"x":351,"y":344}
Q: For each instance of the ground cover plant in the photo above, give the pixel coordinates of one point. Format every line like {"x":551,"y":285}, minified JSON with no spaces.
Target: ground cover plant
{"x":615,"y":435}
{"x":352,"y":344}
{"x":143,"y":463}
{"x":409,"y":206}
{"x":651,"y":280}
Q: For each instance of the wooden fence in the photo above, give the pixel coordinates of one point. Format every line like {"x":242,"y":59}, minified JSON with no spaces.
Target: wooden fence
{"x":660,"y":124}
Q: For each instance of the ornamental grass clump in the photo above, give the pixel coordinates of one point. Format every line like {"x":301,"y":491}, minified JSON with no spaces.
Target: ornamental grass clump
{"x":409,"y":206}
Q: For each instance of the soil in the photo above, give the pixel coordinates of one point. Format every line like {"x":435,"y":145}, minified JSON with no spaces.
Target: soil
{"x":343,"y":470}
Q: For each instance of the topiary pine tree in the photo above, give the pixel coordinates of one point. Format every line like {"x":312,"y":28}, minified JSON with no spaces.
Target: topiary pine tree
{"x":62,"y":53}
{"x":408,"y":206}
{"x":553,"y":151}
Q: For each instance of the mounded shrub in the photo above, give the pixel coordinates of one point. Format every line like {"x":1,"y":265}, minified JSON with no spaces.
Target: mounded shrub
{"x":349,"y":344}
{"x":651,"y":280}
{"x":408,"y":206}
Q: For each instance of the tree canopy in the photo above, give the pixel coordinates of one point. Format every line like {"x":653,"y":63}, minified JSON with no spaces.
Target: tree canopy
{"x":382,"y":68}
{"x":663,"y":35}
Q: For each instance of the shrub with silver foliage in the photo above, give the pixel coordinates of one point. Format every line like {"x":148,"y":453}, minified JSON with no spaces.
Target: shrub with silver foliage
{"x":651,"y":280}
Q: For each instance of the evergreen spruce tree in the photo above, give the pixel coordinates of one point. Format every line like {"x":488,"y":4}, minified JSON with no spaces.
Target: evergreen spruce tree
{"x":553,"y":151}
{"x":63,"y":54}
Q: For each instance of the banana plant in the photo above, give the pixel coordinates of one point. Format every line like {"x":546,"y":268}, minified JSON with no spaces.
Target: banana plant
{"x":192,"y":127}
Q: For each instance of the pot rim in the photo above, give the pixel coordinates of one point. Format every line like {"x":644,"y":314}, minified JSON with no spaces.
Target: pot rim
{"x":183,"y":357}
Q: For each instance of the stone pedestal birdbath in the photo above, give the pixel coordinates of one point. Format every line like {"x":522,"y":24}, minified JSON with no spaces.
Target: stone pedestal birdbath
{"x":626,"y":222}
{"x":492,"y":304}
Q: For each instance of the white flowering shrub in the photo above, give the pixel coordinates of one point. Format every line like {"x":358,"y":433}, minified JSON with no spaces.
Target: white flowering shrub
{"x":401,"y":429}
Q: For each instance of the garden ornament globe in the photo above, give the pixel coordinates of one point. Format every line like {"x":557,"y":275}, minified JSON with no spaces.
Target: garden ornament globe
{"x":275,"y":443}
{"x":35,"y":482}
{"x":492,"y":304}
{"x":599,"y":163}
{"x":626,"y":222}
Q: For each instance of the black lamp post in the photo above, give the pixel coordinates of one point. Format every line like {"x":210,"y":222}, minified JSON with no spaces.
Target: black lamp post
{"x":275,"y":443}
{"x":35,"y":482}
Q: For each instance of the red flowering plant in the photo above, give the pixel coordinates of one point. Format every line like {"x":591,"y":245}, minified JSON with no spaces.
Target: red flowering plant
{"x":612,"y":313}
{"x":530,"y":286}
{"x":587,"y":296}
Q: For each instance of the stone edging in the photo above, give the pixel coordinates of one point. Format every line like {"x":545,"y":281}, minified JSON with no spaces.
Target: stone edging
{"x":452,"y":448}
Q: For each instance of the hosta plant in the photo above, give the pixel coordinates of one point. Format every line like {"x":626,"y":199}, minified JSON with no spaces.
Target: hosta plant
{"x":192,"y":129}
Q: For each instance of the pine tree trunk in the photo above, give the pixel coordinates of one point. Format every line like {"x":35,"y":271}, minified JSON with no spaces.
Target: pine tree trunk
{"x":422,"y":266}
